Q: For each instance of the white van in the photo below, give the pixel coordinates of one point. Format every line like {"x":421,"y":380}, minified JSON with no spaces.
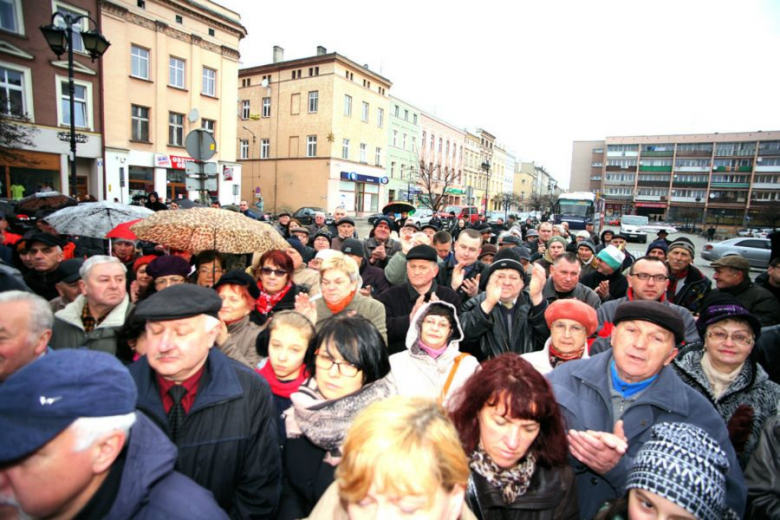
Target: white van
{"x":630,"y":227}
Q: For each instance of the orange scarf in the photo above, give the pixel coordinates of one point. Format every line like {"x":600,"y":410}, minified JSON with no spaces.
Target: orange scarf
{"x":337,"y":307}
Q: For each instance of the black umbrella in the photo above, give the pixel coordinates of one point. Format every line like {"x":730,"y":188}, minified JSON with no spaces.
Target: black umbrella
{"x":398,"y":206}
{"x":45,"y":200}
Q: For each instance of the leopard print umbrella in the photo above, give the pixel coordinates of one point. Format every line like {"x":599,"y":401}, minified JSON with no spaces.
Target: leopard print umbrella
{"x":201,"y":229}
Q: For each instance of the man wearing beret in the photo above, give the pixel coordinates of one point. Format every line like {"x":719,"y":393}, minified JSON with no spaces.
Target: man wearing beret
{"x":282,"y":225}
{"x":45,"y":251}
{"x":73,"y":446}
{"x":380,"y":247}
{"x":687,"y":285}
{"x":402,"y":301}
{"x":611,"y":401}
{"x":732,"y":276}
{"x":217,"y":411}
{"x":504,"y":318}
{"x":345,"y":228}
{"x":338,"y":213}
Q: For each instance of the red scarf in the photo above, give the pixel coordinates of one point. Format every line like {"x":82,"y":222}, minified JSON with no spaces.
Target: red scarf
{"x":337,"y":307}
{"x":266,"y":302}
{"x":557,"y":357}
{"x":282,"y":388}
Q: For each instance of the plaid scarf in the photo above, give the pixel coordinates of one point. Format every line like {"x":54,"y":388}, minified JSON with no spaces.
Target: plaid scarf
{"x":88,"y":321}
{"x":512,"y":482}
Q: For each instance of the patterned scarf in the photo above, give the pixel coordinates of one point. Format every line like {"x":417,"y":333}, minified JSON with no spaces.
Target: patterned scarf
{"x":266,"y":302}
{"x":511,"y":482}
{"x":325,"y":422}
{"x":557,"y":357}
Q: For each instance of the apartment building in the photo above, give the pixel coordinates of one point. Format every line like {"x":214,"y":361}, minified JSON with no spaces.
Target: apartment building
{"x":34,"y":95}
{"x":173,"y":67}
{"x":403,"y":150}
{"x":442,"y":150}
{"x":731,"y":178}
{"x":314,"y":132}
{"x":523,"y":182}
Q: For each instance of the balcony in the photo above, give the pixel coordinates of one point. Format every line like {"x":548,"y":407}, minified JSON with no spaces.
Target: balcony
{"x":767,"y":151}
{"x":656,"y":153}
{"x":686,"y":200}
{"x":608,"y":196}
{"x":694,"y":153}
{"x":695,"y":169}
{"x":729,"y":185}
{"x":749,"y":152}
{"x":768,"y":168}
{"x":653,"y":184}
{"x":650,"y":168}
{"x":632,"y":153}
{"x":684,"y":184}
{"x":650,"y":198}
{"x":618,"y":183}
{"x":732,"y":169}
{"x":621,"y":168}
{"x":725,"y":202}
{"x":766,"y":186}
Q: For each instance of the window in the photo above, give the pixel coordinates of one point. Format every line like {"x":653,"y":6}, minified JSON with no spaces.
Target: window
{"x":392,"y":169}
{"x":78,"y":41}
{"x":348,"y":106}
{"x":364,"y":116}
{"x":311,"y":146}
{"x":179,"y":19}
{"x":176,"y":72}
{"x":212,"y":32}
{"x":380,"y":117}
{"x":362,"y":152}
{"x":12,"y":92}
{"x":175,"y":129}
{"x":395,"y":137}
{"x":345,"y":149}
{"x":314,"y":101}
{"x":208,"y":125}
{"x":406,"y":115}
{"x":414,"y":144}
{"x":266,"y":107}
{"x":10,"y":16}
{"x":244,"y":148}
{"x":209,"y":82}
{"x":414,"y":118}
{"x":245,"y":109}
{"x":395,"y":111}
{"x":403,"y":142}
{"x":265,"y":148}
{"x":80,"y":107}
{"x":440,"y":141}
{"x":140,"y":122}
{"x":139,"y":62}
{"x":378,"y":157}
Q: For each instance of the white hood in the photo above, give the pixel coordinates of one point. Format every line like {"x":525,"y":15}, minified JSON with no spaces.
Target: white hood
{"x":413,"y":334}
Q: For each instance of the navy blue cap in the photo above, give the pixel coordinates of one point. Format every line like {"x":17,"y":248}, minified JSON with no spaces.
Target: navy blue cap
{"x":168,"y":265}
{"x":69,"y":270}
{"x":42,"y":399}
{"x":386,"y":220}
{"x":345,"y":220}
{"x":353,"y":247}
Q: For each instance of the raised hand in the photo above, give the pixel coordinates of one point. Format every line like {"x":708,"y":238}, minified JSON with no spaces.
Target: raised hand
{"x":538,"y":279}
{"x":305,"y":306}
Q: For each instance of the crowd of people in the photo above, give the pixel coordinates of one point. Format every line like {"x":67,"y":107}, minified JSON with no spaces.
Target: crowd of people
{"x":513,"y":370}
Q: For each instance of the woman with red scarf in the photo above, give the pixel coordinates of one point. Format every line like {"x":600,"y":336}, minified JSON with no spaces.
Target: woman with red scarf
{"x":290,"y":335}
{"x":277,"y":290}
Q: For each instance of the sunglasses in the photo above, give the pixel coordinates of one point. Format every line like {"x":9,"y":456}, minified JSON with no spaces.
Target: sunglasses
{"x":270,"y":271}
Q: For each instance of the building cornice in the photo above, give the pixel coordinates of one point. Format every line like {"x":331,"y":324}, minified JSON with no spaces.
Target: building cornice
{"x":310,"y":61}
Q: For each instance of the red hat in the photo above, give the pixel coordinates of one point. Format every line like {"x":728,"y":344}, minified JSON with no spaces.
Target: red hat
{"x":571,"y":309}
{"x":144,"y":260}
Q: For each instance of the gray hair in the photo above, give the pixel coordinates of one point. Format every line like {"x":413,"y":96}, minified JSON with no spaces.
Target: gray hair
{"x":39,"y":319}
{"x":92,"y":261}
{"x":88,"y":430}
{"x":319,"y":214}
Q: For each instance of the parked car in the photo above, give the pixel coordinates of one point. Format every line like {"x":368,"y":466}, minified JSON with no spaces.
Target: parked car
{"x":372,"y":218}
{"x":614,"y":222}
{"x":422,"y":216}
{"x":305,"y":215}
{"x":493,"y":216}
{"x":756,"y":250}
{"x":630,"y":226}
{"x":470,"y":214}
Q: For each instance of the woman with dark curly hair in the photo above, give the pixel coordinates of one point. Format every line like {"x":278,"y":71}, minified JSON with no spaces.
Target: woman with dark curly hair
{"x":512,"y":429}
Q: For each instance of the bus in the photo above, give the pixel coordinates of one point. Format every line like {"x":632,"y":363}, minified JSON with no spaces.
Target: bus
{"x":579,"y":208}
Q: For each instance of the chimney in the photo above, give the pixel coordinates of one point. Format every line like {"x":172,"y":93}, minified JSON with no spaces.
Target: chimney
{"x":278,"y":54}
{"x":321,"y":51}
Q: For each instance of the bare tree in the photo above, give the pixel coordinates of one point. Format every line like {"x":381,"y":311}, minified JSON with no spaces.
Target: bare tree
{"x":433,"y":180}
{"x":506,"y":200}
{"x":13,"y":136}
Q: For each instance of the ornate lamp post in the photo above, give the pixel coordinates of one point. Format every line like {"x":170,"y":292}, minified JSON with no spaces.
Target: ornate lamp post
{"x":60,"y":40}
{"x":486,"y":166}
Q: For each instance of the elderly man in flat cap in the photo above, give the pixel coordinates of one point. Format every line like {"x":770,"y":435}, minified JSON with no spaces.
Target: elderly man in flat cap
{"x":611,"y":401}
{"x":218,"y":412}
{"x":73,"y":446}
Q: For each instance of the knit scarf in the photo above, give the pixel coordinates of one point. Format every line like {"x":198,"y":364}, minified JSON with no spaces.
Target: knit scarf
{"x":628,"y":389}
{"x":512,"y":482}
{"x":557,"y":357}
{"x":325,"y":422}
{"x":339,"y":306}
{"x":719,"y":381}
{"x":434,"y":353}
{"x":266,"y":302}
{"x":282,"y":388}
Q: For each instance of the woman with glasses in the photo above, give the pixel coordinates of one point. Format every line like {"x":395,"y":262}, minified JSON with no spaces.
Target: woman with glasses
{"x":432,"y":365}
{"x":238,"y":335}
{"x":349,"y":367}
{"x":726,"y":374}
{"x":274,"y":279}
{"x":209,"y":267}
{"x":339,"y":286}
{"x":166,"y":271}
{"x":571,"y":323}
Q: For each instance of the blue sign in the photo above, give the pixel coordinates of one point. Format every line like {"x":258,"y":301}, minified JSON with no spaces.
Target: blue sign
{"x":356,"y":177}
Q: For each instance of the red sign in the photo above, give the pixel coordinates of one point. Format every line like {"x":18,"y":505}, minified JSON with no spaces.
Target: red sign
{"x":650,"y":205}
{"x":180,"y":163}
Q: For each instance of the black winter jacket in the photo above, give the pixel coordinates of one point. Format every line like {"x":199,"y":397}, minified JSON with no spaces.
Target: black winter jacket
{"x":692,"y":293}
{"x":228,"y":442}
{"x":375,"y":277}
{"x":760,"y":302}
{"x":306,"y":477}
{"x":445,"y":275}
{"x":618,"y":285}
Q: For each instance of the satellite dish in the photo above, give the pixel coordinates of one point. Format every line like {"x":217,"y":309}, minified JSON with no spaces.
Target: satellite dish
{"x":265,"y":82}
{"x":193,"y":116}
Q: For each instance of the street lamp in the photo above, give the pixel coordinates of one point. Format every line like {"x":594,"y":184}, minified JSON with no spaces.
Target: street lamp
{"x":60,"y":40}
{"x":486,"y":166}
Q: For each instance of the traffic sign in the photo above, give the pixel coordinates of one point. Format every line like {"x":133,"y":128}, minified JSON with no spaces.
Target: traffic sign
{"x":200,"y":144}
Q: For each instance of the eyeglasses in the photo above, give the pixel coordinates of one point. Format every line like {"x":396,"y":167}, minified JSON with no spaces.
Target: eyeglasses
{"x":720,"y":336}
{"x":271,"y":270}
{"x":433,"y":322}
{"x":325,"y":362}
{"x":573,"y":329}
{"x":208,"y":270}
{"x":168,"y":281}
{"x":660,"y":278}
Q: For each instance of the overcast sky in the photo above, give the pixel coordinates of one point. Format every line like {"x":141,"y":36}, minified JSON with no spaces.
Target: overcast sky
{"x":541,"y":74}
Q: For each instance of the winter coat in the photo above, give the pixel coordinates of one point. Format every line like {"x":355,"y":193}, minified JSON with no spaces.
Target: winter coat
{"x":763,"y":474}
{"x":580,"y":292}
{"x":541,"y":359}
{"x":761,"y":303}
{"x":330,"y":507}
{"x":395,"y":270}
{"x":151,"y":489}
{"x":606,"y":315}
{"x":618,"y":285}
{"x":307,"y":280}
{"x":582,"y":389}
{"x":43,"y":284}
{"x":68,"y":330}
{"x":767,"y":352}
{"x":399,"y":302}
{"x":489,"y":335}
{"x":369,"y":308}
{"x":241,"y":342}
{"x":391,"y":247}
{"x":445,"y":275}
{"x":751,"y":387}
{"x":228,"y":442}
{"x":375,"y":277}
{"x":692,"y":293}
{"x":416,"y":373}
{"x":762,"y":280}
{"x":551,"y":495}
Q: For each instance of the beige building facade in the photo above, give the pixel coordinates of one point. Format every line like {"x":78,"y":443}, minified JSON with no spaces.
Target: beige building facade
{"x":314,"y":132}
{"x":173,"y":68}
{"x":523,"y":182}
{"x":442,"y":149}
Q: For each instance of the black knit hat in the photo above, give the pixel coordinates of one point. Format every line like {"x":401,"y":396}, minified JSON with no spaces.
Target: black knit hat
{"x":506,"y":259}
{"x":241,"y":278}
{"x":422,"y":252}
{"x":654,"y":312}
{"x":323,"y":234}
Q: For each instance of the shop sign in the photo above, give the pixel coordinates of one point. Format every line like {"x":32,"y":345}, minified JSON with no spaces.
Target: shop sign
{"x":356,"y":177}
{"x":650,"y":205}
{"x":227,"y":173}
{"x":171,"y":162}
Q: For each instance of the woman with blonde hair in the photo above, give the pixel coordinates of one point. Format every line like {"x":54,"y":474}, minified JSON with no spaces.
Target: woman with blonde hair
{"x":402,"y":458}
